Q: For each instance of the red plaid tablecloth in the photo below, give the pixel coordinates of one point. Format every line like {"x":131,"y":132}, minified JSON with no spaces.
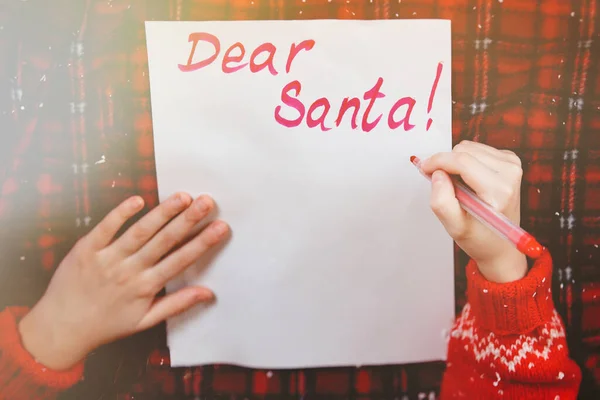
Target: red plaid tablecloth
{"x":76,"y":139}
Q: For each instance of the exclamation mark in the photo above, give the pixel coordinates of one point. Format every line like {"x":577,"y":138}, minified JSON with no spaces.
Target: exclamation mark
{"x":432,"y":94}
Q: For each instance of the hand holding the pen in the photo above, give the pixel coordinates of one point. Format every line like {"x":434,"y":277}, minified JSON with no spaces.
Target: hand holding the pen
{"x":495,"y":175}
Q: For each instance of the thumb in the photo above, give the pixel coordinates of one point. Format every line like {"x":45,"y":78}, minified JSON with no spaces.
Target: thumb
{"x":446,"y":207}
{"x":174,"y":304}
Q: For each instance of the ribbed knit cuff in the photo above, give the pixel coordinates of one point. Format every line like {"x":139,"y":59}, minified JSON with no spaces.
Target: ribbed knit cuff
{"x":514,"y":307}
{"x":21,"y":376}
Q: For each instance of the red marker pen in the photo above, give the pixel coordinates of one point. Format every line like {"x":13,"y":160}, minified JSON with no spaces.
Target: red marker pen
{"x":497,"y":222}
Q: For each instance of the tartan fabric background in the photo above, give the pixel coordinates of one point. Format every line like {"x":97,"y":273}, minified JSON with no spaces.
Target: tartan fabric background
{"x":76,"y":139}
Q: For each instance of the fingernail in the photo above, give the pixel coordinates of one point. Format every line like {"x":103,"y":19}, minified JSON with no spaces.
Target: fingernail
{"x":219,"y":227}
{"x":203,"y":203}
{"x":436,"y":177}
{"x":205,"y":295}
{"x":179,"y":200}
{"x":137,"y":202}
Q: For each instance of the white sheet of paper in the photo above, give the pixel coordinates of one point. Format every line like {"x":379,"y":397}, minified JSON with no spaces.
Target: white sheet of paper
{"x":335,"y":257}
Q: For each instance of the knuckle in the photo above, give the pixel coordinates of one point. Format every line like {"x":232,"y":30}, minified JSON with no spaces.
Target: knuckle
{"x":464,"y":144}
{"x":517,"y":160}
{"x":149,"y":288}
{"x":193,"y":215}
{"x":430,"y":163}
{"x":509,"y":153}
{"x":123,"y":212}
{"x":513,"y":157}
{"x":103,"y":228}
{"x":169,"y":239}
{"x":459,"y":148}
{"x":516,"y":171}
{"x":121,"y":277}
{"x":140,"y":233}
{"x":81,"y":246}
{"x":98,"y":260}
{"x":455,"y":229}
{"x":458,"y":233}
{"x":438,"y":158}
{"x":183,"y":259}
{"x":107,"y":274}
{"x":463,"y":158}
{"x":438,"y":206}
{"x":506,"y":193}
{"x":82,"y":254}
{"x":169,"y":208}
{"x":81,"y":259}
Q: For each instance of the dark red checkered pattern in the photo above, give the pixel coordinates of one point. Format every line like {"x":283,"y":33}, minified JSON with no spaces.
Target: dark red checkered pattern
{"x":74,"y":93}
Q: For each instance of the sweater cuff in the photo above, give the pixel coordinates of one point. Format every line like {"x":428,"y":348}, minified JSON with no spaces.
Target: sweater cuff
{"x":515,"y":307}
{"x":20,"y":374}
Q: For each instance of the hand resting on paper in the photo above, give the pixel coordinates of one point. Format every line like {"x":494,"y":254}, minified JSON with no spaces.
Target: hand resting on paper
{"x":105,"y":288}
{"x":496,"y":177}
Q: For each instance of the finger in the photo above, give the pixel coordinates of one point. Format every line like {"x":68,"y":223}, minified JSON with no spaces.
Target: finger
{"x":181,"y":259}
{"x":467,"y":146}
{"x":512,"y":157}
{"x":478,"y":176}
{"x":476,"y":146}
{"x":174,"y":304}
{"x":143,"y":230}
{"x":105,"y":231}
{"x":493,"y":162}
{"x":445,"y":205}
{"x":175,"y":231}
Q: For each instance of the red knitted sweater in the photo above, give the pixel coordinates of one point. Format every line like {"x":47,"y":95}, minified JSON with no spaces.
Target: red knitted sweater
{"x":508,"y":343}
